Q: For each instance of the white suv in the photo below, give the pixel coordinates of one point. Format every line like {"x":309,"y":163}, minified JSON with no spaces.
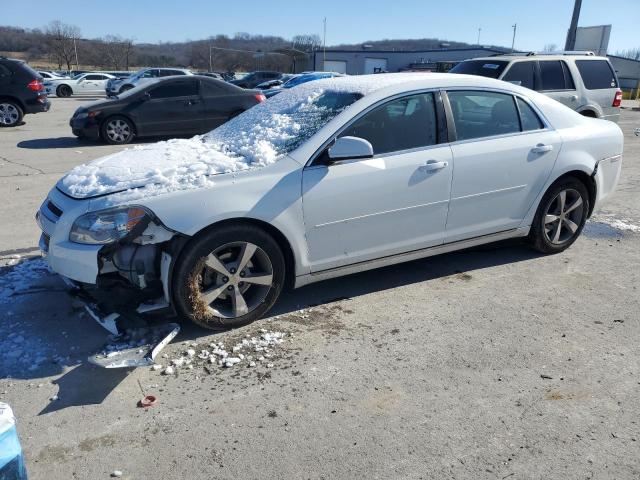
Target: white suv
{"x":580,"y":80}
{"x":119,"y":85}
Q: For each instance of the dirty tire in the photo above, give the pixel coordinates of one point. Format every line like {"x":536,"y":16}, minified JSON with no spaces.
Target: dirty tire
{"x":191,"y":273}
{"x":64,"y":91}
{"x":545,"y":236}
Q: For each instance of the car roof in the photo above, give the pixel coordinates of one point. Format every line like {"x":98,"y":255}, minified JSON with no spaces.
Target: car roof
{"x":545,"y":56}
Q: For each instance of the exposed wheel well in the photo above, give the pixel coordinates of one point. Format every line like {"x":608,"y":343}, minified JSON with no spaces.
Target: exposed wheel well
{"x":588,"y":182}
{"x":12,"y":99}
{"x":589,"y":113}
{"x":277,"y":235}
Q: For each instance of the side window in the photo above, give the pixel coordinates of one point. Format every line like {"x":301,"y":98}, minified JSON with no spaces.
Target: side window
{"x":211,"y":89}
{"x":150,"y":74}
{"x":483,"y":114}
{"x":597,"y":74}
{"x":401,"y":124}
{"x":528,"y":117}
{"x":521,"y":73}
{"x":94,"y":77}
{"x":552,"y":75}
{"x":4,"y":71}
{"x":170,"y":73}
{"x":183,"y":88}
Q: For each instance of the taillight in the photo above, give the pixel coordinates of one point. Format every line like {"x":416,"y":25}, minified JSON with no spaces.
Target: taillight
{"x":617,"y":100}
{"x":260,"y":97}
{"x":35,"y":85}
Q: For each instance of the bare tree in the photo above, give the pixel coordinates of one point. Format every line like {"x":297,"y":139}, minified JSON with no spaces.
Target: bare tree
{"x":61,"y":40}
{"x":115,"y":51}
{"x":632,"y":53}
{"x":306,"y":43}
{"x":550,"y":47}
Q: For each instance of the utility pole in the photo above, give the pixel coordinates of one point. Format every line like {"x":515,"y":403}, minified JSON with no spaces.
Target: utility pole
{"x":479,"y":31}
{"x":210,"y":59}
{"x":324,"y":43}
{"x":571,"y":34}
{"x":75,"y":49}
{"x":513,"y":41}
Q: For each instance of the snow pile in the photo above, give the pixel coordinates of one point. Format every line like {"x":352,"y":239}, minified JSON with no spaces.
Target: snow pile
{"x":249,"y":352}
{"x":255,"y":139}
{"x":21,"y":277}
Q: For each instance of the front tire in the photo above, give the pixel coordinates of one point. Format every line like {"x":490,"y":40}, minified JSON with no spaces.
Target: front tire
{"x":117,"y":130}
{"x":10,"y":113}
{"x":228,"y":277}
{"x":561,"y":216}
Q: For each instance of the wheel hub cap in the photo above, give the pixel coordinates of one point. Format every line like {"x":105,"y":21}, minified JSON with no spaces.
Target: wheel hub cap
{"x":8,"y":114}
{"x":563,"y":216}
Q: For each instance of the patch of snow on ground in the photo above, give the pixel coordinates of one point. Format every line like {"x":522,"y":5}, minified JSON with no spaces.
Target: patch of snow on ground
{"x":249,"y":352}
{"x":609,"y":226}
{"x":254,"y":139}
{"x":21,"y":352}
{"x":21,"y":277}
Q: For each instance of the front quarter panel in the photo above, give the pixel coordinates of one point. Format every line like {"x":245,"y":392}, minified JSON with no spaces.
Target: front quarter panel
{"x":271,"y":194}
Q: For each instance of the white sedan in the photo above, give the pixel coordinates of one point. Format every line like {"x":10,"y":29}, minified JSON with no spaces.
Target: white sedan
{"x":82,"y":84}
{"x":326,"y":179}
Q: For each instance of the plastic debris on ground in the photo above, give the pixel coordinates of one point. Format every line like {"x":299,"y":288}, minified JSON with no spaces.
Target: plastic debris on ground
{"x":12,"y":465}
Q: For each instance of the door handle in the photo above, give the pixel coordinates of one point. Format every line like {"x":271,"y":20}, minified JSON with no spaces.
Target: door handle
{"x":433,"y":165}
{"x":542,"y":148}
{"x":192,"y":102}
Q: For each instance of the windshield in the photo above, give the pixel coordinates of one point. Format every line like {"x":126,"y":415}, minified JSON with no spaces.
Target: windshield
{"x":76,"y":77}
{"x":484,"y":68}
{"x":279,"y":126}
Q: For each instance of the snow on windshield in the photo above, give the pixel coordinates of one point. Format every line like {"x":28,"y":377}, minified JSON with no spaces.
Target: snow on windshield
{"x":254,"y":139}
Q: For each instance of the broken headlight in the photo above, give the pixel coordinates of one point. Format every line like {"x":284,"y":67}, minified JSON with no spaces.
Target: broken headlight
{"x":108,"y":226}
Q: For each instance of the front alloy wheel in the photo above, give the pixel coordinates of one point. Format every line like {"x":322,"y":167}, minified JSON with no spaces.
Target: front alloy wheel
{"x":228,"y":277}
{"x":117,"y":131}
{"x":560,"y":217}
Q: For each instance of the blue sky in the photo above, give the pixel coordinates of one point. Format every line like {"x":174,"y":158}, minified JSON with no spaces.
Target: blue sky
{"x":348,"y":21}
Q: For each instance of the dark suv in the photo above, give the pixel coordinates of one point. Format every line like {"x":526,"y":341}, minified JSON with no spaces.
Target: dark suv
{"x":21,"y":92}
{"x":253,"y":79}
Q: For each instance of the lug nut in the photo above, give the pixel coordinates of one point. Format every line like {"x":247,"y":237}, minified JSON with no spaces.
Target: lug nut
{"x":225,"y":279}
{"x":242,"y":274}
{"x":233,"y":270}
{"x":230,"y":288}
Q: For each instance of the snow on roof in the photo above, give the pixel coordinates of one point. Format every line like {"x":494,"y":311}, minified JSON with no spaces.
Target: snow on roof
{"x":255,"y":139}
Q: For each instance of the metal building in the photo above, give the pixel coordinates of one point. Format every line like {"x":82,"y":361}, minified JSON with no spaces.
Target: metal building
{"x":365,"y":61}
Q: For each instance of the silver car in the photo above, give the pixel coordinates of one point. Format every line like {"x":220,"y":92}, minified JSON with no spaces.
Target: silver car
{"x":120,"y":85}
{"x":582,"y":81}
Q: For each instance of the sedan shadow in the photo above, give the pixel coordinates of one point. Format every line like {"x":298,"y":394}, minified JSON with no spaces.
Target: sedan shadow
{"x":75,"y":142}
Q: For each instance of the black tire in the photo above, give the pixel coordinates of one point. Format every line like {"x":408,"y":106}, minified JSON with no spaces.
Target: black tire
{"x":11,"y":113}
{"x":117,"y":130}
{"x":191,"y":277}
{"x":124,"y":88}
{"x":554,"y":236}
{"x":64,"y":91}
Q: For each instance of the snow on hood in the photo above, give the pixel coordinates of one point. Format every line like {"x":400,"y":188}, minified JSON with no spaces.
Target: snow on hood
{"x":255,"y":139}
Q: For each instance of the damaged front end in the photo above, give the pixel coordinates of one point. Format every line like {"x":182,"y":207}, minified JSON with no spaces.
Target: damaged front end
{"x":130,"y":253}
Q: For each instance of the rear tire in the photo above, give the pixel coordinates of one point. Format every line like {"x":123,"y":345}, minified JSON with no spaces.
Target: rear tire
{"x":64,"y":91}
{"x":561,"y":216}
{"x":228,"y":277}
{"x":10,"y":113}
{"x":117,"y":130}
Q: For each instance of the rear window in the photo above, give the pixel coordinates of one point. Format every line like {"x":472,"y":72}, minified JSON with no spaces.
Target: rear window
{"x":483,"y":68}
{"x":597,"y":74}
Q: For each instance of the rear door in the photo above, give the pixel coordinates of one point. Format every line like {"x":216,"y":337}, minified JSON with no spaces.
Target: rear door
{"x":557,"y":82}
{"x":172,"y":108}
{"x":503,"y":155}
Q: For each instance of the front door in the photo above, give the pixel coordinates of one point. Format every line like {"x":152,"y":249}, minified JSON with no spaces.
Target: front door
{"x":172,"y":108}
{"x":503,"y":156}
{"x":397,"y":201}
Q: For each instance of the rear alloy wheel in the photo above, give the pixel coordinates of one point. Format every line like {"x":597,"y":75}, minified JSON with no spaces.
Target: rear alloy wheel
{"x":10,"y":114}
{"x":561,"y":216}
{"x":229,"y":277}
{"x":64,"y":91}
{"x":117,"y":130}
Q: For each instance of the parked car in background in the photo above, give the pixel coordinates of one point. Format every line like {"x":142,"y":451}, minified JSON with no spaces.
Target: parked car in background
{"x":165,"y":106}
{"x":582,"y":81}
{"x":21,"y":92}
{"x":118,"y":86}
{"x":92,"y":83}
{"x":253,"y":79}
{"x":216,"y":226}
{"x":47,"y":75}
{"x":211,"y":75}
{"x":278,"y":82}
{"x":299,"y":80}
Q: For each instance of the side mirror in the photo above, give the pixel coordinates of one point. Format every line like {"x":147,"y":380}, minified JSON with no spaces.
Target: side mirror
{"x":350,"y":148}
